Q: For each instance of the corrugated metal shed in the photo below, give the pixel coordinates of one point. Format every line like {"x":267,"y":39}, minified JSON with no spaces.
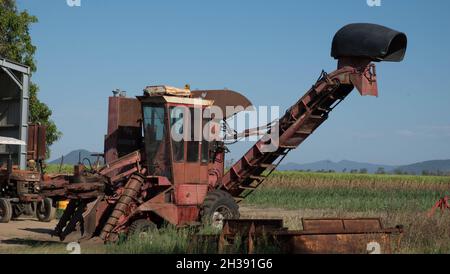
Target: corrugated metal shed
{"x":14,"y":101}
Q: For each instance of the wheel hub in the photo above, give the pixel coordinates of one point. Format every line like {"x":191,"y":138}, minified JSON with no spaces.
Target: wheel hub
{"x":219,"y":216}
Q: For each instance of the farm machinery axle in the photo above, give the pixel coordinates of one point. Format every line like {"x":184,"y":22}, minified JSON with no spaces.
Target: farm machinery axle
{"x":151,"y":178}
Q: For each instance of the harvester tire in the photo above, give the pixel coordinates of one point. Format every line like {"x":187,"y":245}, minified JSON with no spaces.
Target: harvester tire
{"x":218,"y":206}
{"x":5,"y":211}
{"x":140,"y":227}
{"x":45,"y":212}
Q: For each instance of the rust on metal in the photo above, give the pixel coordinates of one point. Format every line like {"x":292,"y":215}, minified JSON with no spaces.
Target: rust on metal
{"x":344,"y":236}
{"x":36,"y":145}
{"x":443,"y":204}
{"x":225,"y":99}
{"x":319,"y":236}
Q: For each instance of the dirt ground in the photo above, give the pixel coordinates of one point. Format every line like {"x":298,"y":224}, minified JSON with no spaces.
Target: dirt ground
{"x":26,"y":231}
{"x":28,"y":235}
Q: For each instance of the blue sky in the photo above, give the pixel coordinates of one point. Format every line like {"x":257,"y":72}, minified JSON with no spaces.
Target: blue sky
{"x":272,"y":51}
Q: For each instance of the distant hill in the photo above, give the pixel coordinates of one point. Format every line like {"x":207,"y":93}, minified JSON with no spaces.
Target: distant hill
{"x":417,"y":168}
{"x":429,"y":166}
{"x":336,"y":166}
{"x":73,"y":157}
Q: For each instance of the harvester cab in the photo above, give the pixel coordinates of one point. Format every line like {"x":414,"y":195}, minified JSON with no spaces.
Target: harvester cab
{"x":172,"y":125}
{"x":165,"y":155}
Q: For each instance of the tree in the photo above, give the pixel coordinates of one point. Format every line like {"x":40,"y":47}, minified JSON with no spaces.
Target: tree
{"x":16,"y":45}
{"x":381,"y":170}
{"x":398,"y":171}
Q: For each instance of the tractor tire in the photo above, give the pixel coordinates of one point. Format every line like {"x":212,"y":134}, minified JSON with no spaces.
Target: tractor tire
{"x":141,"y":228}
{"x":217,"y":207}
{"x":5,"y":211}
{"x":45,"y":212}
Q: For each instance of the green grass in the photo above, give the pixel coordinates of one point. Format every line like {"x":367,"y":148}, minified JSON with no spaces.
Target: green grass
{"x":164,"y":241}
{"x":297,"y":178}
{"x":171,"y":240}
{"x":351,"y":192}
{"x":55,"y":169}
{"x":168,"y":240}
{"x":350,"y":199}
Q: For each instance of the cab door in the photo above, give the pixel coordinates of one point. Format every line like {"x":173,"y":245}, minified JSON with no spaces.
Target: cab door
{"x":177,"y":136}
{"x":186,"y":132}
{"x":204,"y":152}
{"x":193,"y":141}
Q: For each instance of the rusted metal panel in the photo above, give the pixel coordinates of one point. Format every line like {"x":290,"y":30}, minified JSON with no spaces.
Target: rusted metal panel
{"x":28,"y":198}
{"x":36,"y":142}
{"x":249,"y":231}
{"x":24,"y":175}
{"x":175,"y":214}
{"x":246,"y":226}
{"x":224,"y":99}
{"x":188,"y":215}
{"x":124,"y":127}
{"x":114,"y":168}
{"x":335,"y":243}
{"x":85,"y":187}
{"x":320,"y":236}
{"x":178,"y":172}
{"x":342,"y":225}
{"x":190,"y":194}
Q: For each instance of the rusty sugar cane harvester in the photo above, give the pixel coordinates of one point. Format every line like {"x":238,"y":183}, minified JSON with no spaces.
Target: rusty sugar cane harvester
{"x":151,"y":178}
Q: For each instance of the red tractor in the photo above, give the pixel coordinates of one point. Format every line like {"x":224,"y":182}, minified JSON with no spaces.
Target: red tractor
{"x":20,"y":189}
{"x":151,"y":178}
